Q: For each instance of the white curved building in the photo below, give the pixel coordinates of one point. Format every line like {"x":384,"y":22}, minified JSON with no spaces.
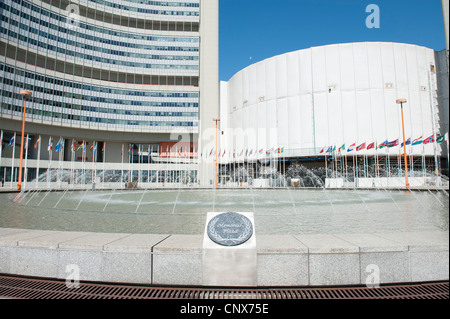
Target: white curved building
{"x":307,"y":101}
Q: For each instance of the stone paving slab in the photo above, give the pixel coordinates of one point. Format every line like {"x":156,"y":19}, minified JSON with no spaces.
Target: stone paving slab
{"x":92,"y":241}
{"x":180,"y":244}
{"x":373,"y":243}
{"x":277,"y":244}
{"x":420,"y":241}
{"x":9,"y":231}
{"x":13,"y":238}
{"x":52,"y":240}
{"x":136,"y":243}
{"x":327,"y":244}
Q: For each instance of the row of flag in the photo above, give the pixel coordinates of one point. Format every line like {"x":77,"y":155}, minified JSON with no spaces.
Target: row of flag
{"x":329,"y":149}
{"x":374,"y":145}
{"x":248,"y":153}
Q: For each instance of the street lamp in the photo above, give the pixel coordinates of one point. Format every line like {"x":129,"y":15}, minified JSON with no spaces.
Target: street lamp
{"x":401,"y":101}
{"x":25,"y":95}
{"x":217,"y":119}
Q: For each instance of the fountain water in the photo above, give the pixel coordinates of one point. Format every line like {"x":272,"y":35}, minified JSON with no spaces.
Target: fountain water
{"x":306,"y":207}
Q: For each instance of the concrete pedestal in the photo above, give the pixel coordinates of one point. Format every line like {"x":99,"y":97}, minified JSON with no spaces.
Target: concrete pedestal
{"x":229,"y":265}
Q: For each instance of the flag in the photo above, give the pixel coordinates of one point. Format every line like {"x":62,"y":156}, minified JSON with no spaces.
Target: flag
{"x":384,"y":144}
{"x":81,"y":145}
{"x":393,"y":143}
{"x":350,"y":147}
{"x":371,"y":145}
{"x":37,"y":143}
{"x":224,"y":153}
{"x":321,"y":151}
{"x":58,"y":146}
{"x":250,"y":153}
{"x":408,"y":142}
{"x":341,"y":148}
{"x":11,"y":142}
{"x":330,"y":149}
{"x":361,"y":147}
{"x":281,"y":150}
{"x":441,"y":139}
{"x":417,"y":141}
{"x":261,"y":151}
{"x":50,"y":144}
{"x":429,"y":139}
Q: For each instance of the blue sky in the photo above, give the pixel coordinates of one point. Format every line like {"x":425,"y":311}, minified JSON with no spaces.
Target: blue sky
{"x":254,"y":30}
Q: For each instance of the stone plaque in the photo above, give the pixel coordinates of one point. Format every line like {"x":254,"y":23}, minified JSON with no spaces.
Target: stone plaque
{"x":230,"y":229}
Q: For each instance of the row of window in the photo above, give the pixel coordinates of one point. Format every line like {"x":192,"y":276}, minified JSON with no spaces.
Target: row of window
{"x":142,"y":10}
{"x":87,"y":87}
{"x":147,"y":11}
{"x":58,"y":49}
{"x":191,"y":4}
{"x":92,"y":119}
{"x":87,"y":98}
{"x":64,"y":22}
{"x":65,"y":40}
{"x":37,"y":104}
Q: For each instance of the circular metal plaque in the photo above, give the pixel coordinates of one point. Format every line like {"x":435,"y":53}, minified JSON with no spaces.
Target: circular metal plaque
{"x":230,"y":229}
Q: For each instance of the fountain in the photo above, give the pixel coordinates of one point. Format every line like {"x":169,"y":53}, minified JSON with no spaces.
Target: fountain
{"x":286,"y":219}
{"x":308,"y":208}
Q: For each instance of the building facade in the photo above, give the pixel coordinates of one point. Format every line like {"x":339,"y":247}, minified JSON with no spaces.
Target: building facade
{"x":329,"y":100}
{"x":114,"y":82}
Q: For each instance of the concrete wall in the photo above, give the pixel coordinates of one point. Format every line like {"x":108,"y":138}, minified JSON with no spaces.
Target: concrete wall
{"x":284,"y":260}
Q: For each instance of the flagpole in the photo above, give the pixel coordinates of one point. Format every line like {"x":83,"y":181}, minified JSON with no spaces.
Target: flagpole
{"x":25,"y":169}
{"x":83,"y":162}
{"x":448,"y":159}
{"x":121,"y":178}
{"x":38,"y":161}
{"x":346,"y":164}
{"x":139,"y":163}
{"x":1,"y":148}
{"x":167,"y":165}
{"x":148,"y":164}
{"x":130,"y":158}
{"x":104,"y":158}
{"x":72,"y":159}
{"x":93,"y":164}
{"x":13,"y":157}
{"x":60,"y":151}
{"x":50,"y":155}
{"x":354,"y":170}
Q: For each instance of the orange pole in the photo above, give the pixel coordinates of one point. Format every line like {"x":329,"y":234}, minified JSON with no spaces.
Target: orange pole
{"x":19,"y":184}
{"x":404,"y":148}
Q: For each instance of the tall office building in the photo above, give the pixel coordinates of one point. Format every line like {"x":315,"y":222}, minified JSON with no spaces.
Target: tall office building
{"x":114,"y":80}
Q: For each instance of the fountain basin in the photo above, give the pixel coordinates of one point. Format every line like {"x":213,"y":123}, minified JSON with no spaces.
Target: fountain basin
{"x":282,"y":260}
{"x":303,"y":237}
